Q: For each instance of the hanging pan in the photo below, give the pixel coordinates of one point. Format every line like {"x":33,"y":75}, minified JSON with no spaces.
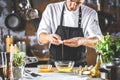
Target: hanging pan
{"x":14,"y":21}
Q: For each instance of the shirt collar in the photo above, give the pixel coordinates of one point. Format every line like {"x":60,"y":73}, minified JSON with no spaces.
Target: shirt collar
{"x":71,"y":12}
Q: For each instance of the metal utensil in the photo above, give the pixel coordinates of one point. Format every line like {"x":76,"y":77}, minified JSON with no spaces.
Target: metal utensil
{"x":32,"y":73}
{"x":30,"y":12}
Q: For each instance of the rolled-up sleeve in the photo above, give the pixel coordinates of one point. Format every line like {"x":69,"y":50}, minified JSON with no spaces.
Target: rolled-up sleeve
{"x":93,"y":29}
{"x":44,"y":25}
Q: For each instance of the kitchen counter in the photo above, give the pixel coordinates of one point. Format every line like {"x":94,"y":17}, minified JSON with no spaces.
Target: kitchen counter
{"x":56,"y":76}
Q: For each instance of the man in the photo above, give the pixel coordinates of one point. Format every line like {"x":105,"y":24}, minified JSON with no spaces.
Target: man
{"x":73,"y":23}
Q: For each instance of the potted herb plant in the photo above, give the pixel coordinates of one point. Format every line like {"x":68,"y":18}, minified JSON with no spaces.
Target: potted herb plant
{"x":18,"y":64}
{"x":108,"y":47}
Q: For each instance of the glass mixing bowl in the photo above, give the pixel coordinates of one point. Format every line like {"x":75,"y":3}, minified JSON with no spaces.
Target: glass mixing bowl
{"x":44,"y":67}
{"x":64,"y":66}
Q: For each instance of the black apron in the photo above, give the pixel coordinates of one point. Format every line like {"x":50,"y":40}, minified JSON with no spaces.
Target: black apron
{"x":76,"y":54}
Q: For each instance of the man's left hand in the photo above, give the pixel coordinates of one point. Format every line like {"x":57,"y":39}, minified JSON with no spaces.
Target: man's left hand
{"x":74,"y":42}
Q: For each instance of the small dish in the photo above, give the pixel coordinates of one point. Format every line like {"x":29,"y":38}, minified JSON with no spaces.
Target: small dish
{"x":44,"y":68}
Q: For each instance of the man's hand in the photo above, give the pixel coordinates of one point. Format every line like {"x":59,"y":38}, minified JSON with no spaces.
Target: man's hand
{"x":54,"y":39}
{"x":78,"y":41}
{"x":74,"y":42}
{"x":45,"y":38}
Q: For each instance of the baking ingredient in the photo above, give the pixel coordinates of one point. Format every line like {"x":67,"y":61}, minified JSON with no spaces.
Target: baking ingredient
{"x":95,"y":70}
{"x":64,"y":69}
{"x":83,"y":70}
{"x":9,"y":41}
{"x":44,"y":68}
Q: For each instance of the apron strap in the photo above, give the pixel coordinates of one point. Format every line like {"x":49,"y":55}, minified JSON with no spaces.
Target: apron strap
{"x":80,"y":18}
{"x":61,"y":19}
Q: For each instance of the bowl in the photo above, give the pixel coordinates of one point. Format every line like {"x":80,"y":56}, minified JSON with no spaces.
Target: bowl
{"x":41,"y":52}
{"x":64,"y":66}
{"x":44,"y":68}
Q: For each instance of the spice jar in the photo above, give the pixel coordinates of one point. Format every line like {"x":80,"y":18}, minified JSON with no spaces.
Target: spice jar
{"x":9,"y":41}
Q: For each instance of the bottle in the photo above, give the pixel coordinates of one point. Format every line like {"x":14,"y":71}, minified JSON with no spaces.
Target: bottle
{"x":19,"y":45}
{"x":9,"y":41}
{"x":99,"y":60}
{"x":9,"y":62}
{"x":9,"y":67}
{"x":2,"y":46}
{"x":95,"y":70}
{"x":23,"y":47}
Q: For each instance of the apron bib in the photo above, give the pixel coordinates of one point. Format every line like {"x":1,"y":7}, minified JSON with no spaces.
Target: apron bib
{"x":76,"y":54}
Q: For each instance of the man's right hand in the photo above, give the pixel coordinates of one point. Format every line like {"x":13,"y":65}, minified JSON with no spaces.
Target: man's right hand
{"x":54,"y":39}
{"x":49,"y":38}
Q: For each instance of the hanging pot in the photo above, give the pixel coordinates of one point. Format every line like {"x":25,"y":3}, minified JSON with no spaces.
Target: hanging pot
{"x":114,"y":69}
{"x":105,"y":20}
{"x":14,"y":21}
{"x":30,"y":12}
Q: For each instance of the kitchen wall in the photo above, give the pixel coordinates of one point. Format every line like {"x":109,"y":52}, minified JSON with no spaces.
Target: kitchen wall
{"x":28,"y":34}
